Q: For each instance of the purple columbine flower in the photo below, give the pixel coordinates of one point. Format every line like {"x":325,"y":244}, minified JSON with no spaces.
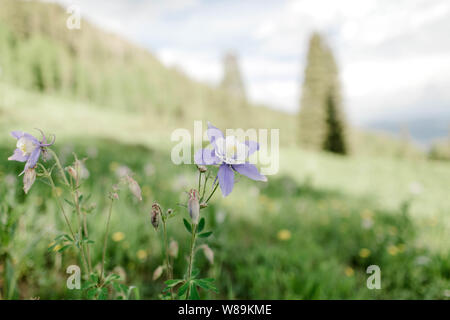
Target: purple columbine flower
{"x":231,"y":155}
{"x":28,"y":149}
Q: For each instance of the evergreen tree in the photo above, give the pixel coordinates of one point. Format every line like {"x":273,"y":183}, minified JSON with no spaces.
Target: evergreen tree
{"x":232,"y":81}
{"x":321,"y":118}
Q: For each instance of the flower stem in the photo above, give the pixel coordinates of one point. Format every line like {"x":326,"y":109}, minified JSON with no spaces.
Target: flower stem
{"x":106,"y":240}
{"x":166,"y":249}
{"x":191,"y":258}
{"x":69,"y":225}
{"x":212,"y":192}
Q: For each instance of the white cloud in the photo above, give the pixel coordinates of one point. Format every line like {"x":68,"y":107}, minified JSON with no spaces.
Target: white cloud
{"x":385,"y":49}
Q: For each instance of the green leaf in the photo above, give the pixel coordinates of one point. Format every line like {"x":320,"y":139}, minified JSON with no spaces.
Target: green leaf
{"x":187,"y":225}
{"x":173,"y":282}
{"x":70,"y":203}
{"x":205,"y":234}
{"x":208,"y":285}
{"x":201,"y":225}
{"x":194,"y":293}
{"x":183,"y":289}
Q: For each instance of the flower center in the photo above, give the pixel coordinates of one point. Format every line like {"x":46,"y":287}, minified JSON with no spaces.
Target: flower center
{"x":26,"y":146}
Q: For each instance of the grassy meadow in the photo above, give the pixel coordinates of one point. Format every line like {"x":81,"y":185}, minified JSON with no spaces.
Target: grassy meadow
{"x":309,"y":232}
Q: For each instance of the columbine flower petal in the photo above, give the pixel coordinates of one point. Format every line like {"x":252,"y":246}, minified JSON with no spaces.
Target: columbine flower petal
{"x":33,"y":159}
{"x":213,"y":134}
{"x":226,"y":179}
{"x":253,"y":146}
{"x":18,"y":156}
{"x":250,"y":171}
{"x":206,"y":157}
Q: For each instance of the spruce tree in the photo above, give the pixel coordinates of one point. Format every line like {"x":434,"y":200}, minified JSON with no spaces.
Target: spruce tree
{"x":321,"y":118}
{"x":232,"y":81}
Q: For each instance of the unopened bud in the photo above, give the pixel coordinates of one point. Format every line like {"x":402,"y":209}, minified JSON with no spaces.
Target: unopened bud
{"x":173,"y":248}
{"x":203,"y":205}
{"x":209,"y":254}
{"x":194,"y":206}
{"x":72,"y":172}
{"x":169,"y":211}
{"x":134,"y":188}
{"x":155,"y":214}
{"x":158,"y":272}
{"x":28,"y":179}
{"x":202,"y":168}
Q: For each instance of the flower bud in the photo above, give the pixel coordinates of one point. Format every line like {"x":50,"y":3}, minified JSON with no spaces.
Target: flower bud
{"x":72,"y":172}
{"x":155,"y":215}
{"x":203,"y":205}
{"x":209,"y":254}
{"x":173,"y":248}
{"x":194,"y":206}
{"x":201,"y":168}
{"x":158,"y":272}
{"x":134,"y":188}
{"x":28,"y":179}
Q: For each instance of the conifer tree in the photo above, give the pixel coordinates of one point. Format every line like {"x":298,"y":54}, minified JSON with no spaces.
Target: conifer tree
{"x":321,"y":118}
{"x":232,"y":81}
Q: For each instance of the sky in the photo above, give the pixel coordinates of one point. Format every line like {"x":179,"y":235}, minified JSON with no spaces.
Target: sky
{"x":393,"y":56}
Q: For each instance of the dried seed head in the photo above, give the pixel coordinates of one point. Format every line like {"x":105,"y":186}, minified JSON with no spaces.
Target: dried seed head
{"x":134,"y":188}
{"x":155,"y":215}
{"x":201,"y":168}
{"x":194,"y":206}
{"x":28,"y":179}
{"x":203,"y":205}
{"x":173,"y":248}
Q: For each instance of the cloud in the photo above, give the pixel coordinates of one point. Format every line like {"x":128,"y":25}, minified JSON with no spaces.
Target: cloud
{"x":388,"y":51}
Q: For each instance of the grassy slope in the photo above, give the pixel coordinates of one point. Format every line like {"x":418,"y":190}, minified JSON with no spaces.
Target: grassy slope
{"x":386,"y":181}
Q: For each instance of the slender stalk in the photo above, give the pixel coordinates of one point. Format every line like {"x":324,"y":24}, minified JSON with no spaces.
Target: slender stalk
{"x":106,"y":240}
{"x":199,"y":181}
{"x":191,"y":259}
{"x":87,"y":245}
{"x":211,"y":194}
{"x":69,"y":225}
{"x":166,"y":249}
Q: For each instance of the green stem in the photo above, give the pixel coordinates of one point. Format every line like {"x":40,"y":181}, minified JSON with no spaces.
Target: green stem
{"x":69,"y":225}
{"x":191,"y":259}
{"x":199,"y":181}
{"x":106,"y":240}
{"x":166,"y":249}
{"x":214,"y":190}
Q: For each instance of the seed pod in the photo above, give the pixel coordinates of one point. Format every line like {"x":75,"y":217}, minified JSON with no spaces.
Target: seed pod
{"x":201,"y":168}
{"x":194,"y":206}
{"x":28,"y":179}
{"x":155,"y":215}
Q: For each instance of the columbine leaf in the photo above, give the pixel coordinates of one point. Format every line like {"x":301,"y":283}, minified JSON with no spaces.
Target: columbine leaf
{"x":187,"y":225}
{"x":205,"y":234}
{"x":201,"y":225}
{"x":194,"y":292}
{"x":173,"y":282}
{"x":183,"y":289}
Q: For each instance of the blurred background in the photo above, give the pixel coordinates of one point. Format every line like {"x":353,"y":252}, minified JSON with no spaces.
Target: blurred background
{"x":358,"y":89}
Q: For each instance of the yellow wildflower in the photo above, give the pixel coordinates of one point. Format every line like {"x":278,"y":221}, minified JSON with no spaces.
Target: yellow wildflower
{"x":364,"y":253}
{"x":118,"y":236}
{"x":284,"y":235}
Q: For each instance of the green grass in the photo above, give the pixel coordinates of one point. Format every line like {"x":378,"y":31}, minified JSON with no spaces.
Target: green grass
{"x":327,"y":207}
{"x":325,"y":227}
